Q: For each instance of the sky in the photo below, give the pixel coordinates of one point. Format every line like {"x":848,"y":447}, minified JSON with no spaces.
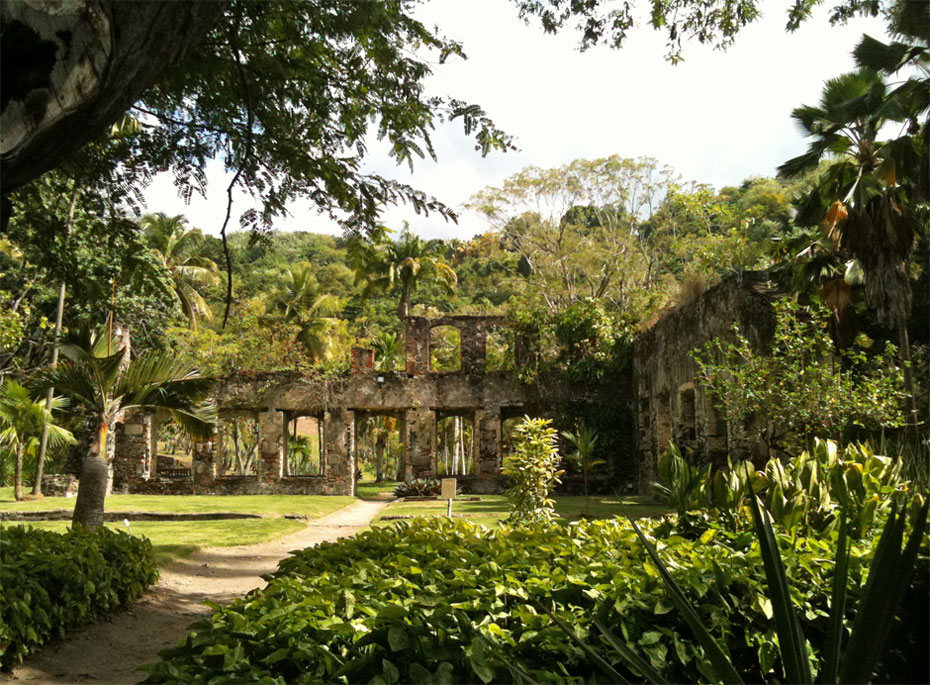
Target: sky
{"x":719,"y":117}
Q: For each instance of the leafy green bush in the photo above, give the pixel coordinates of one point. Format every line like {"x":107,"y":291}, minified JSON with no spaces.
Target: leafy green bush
{"x":532,"y":471}
{"x":52,"y":582}
{"x":442,"y":601}
{"x":807,"y":490}
{"x":421,"y":487}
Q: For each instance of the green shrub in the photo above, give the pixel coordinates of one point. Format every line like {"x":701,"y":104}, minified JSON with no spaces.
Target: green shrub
{"x":805,"y":491}
{"x":440,"y":600}
{"x":532,"y":470}
{"x":421,"y":487}
{"x":50,"y":582}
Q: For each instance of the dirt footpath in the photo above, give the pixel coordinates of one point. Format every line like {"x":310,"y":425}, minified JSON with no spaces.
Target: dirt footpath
{"x":110,"y":651}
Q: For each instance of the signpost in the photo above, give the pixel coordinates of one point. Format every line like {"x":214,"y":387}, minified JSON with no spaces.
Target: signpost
{"x":447,"y":491}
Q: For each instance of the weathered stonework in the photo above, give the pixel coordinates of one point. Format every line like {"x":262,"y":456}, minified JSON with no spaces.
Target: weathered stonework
{"x":59,"y":485}
{"x":671,"y":404}
{"x":416,"y":397}
{"x":665,"y":403}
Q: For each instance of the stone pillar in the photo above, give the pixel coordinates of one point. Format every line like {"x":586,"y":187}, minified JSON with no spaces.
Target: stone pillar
{"x":488,"y":427}
{"x":420,"y":424}
{"x":203,"y":468}
{"x":416,"y":343}
{"x":363,"y":361}
{"x":271,"y":446}
{"x":472,"y":340}
{"x":132,"y":456}
{"x":338,"y":451}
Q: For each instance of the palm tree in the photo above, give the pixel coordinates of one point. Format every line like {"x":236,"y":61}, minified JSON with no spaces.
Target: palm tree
{"x":22,"y":420}
{"x":175,"y":245}
{"x":300,"y":299}
{"x":98,"y":377}
{"x":584,"y":443}
{"x":383,"y":263}
{"x":389,"y":351}
{"x":868,"y":196}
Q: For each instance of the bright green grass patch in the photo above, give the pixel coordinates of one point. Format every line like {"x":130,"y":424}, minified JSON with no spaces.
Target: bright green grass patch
{"x":634,"y":506}
{"x":494,"y":508}
{"x":368,"y":488}
{"x":312,"y":506}
{"x":175,"y":539}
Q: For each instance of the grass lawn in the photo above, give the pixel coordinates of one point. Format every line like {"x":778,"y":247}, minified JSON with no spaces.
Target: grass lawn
{"x":368,"y":488}
{"x":494,"y":508}
{"x":312,"y":506}
{"x":174,"y":539}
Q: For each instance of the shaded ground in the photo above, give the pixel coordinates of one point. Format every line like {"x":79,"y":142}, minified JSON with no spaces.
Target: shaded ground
{"x":110,"y":651}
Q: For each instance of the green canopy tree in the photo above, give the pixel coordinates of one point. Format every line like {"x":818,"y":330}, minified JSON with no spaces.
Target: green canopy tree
{"x":384,"y":264}
{"x":99,"y":375}
{"x":22,"y":421}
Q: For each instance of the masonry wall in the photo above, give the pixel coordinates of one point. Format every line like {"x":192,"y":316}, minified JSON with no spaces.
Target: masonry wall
{"x":415,"y":396}
{"x":671,"y":404}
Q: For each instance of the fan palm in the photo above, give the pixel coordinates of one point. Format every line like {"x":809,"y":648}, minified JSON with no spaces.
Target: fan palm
{"x":176,"y":246}
{"x":868,"y":197}
{"x":300,"y":299}
{"x":384,"y":264}
{"x":97,"y":376}
{"x":22,"y":420}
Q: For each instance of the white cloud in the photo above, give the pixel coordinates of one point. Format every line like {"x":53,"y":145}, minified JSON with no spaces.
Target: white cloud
{"x":718,"y":117}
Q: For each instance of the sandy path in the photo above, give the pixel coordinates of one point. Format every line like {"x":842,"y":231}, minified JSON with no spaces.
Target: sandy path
{"x":110,"y":651}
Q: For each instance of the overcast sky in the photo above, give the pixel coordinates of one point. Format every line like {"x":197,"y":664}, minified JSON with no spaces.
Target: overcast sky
{"x":718,"y":117}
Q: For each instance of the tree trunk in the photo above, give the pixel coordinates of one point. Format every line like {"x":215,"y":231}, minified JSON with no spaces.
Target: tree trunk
{"x":18,"y":474}
{"x":910,"y":400}
{"x":43,"y":443}
{"x":92,"y":490}
{"x":87,"y":63}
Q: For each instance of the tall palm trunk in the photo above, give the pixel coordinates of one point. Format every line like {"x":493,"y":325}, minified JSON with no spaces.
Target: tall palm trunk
{"x":59,"y":315}
{"x":43,"y":443}
{"x":910,"y":400}
{"x":18,"y":473}
{"x":88,"y":509}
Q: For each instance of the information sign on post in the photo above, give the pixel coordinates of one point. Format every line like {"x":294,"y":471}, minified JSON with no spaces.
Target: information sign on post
{"x":447,"y":492}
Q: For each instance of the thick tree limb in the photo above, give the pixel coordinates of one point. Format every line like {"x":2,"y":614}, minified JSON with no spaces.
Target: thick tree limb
{"x":70,"y":68}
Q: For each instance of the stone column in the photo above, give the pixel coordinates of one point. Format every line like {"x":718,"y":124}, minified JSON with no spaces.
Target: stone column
{"x":203,"y":468}
{"x":338,"y":451}
{"x":472,"y":340}
{"x":132,"y":450}
{"x":416,"y":343}
{"x":271,"y":446}
{"x":488,"y":427}
{"x":420,"y":424}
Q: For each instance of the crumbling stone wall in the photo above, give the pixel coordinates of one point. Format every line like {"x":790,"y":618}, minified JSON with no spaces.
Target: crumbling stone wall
{"x":416,"y":396}
{"x":671,"y":403}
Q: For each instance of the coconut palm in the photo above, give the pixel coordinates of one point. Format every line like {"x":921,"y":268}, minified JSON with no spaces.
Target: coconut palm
{"x":300,"y":299}
{"x":384,"y":264}
{"x":176,"y":245}
{"x":22,"y":420}
{"x":98,"y":376}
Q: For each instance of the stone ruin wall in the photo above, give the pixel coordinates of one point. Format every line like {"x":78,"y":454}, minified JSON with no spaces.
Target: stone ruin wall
{"x":670,"y":403}
{"x":417,"y":397}
{"x":666,"y":403}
